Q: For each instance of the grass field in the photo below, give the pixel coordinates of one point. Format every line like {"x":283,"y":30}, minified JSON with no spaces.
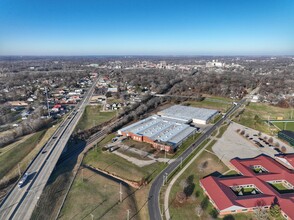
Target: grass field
{"x":11,"y":146}
{"x":285,"y":125}
{"x":255,"y":114}
{"x":92,"y":117}
{"x":218,"y":103}
{"x":205,"y":164}
{"x":116,"y":165}
{"x":139,"y":145}
{"x":99,"y":196}
{"x":11,"y":158}
{"x":23,"y":152}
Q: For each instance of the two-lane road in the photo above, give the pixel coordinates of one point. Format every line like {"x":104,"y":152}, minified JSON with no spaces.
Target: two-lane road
{"x":153,"y":203}
{"x":20,"y":202}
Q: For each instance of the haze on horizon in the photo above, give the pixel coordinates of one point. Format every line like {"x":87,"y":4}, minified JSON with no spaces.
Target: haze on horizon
{"x":147,"y":27}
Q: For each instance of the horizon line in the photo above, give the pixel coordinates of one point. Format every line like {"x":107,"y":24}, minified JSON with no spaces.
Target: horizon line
{"x":151,"y":55}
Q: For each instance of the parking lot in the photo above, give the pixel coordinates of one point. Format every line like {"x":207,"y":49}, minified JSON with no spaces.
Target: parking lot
{"x":232,"y":144}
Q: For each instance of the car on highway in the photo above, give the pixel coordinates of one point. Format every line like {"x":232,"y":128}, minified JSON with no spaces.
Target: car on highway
{"x":23,"y":180}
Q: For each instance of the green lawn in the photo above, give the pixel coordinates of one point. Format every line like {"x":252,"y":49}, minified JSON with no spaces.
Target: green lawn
{"x":279,"y":186}
{"x":255,"y":113}
{"x":285,"y":125}
{"x":11,"y":158}
{"x":92,"y":117}
{"x":9,"y":147}
{"x":231,"y":173}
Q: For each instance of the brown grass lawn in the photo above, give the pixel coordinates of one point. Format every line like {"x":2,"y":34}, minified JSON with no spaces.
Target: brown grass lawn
{"x":92,"y":117}
{"x":94,"y":194}
{"x":205,"y":164}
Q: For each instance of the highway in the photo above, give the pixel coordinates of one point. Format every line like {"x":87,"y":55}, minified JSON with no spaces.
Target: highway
{"x":19,"y":203}
{"x":153,"y":203}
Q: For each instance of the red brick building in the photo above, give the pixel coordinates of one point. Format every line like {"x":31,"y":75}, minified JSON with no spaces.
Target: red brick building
{"x":161,"y":133}
{"x":263,"y":182}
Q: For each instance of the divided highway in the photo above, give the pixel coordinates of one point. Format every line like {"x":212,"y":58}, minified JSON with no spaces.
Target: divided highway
{"x":153,"y":203}
{"x":20,"y":202}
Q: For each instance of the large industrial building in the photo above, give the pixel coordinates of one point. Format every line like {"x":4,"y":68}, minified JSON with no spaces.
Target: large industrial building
{"x":162,"y":133}
{"x":264,"y":182}
{"x":169,"y":128}
{"x":188,"y":114}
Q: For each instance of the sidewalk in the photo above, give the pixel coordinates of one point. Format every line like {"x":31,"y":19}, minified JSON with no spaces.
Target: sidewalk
{"x":170,"y":185}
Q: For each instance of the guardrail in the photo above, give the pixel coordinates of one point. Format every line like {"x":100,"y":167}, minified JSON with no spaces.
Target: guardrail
{"x":32,"y":161}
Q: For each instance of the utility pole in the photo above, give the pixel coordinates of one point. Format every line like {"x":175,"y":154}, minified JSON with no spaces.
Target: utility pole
{"x":19,"y":171}
{"x":181,"y":161}
{"x":128,"y":214}
{"x":47,"y":101}
{"x":120,"y":193}
{"x":268,"y":122}
{"x":82,"y":175}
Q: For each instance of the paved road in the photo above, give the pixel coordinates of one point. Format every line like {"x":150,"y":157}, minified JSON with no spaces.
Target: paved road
{"x":20,"y":202}
{"x":153,"y":203}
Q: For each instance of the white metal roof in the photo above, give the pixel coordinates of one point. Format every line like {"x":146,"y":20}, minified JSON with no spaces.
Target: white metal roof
{"x":160,"y":129}
{"x":187,"y":113}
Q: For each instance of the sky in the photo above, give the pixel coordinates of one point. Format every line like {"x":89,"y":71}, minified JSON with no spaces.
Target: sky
{"x":146,"y":27}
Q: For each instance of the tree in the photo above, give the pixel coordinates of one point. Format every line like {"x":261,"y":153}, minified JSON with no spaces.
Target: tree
{"x":260,"y":212}
{"x":204,"y":203}
{"x":275,"y":210}
{"x":283,"y":149}
{"x":242,"y":132}
{"x":271,"y":140}
{"x":190,"y":186}
{"x":213,"y":213}
{"x":198,"y":210}
{"x":181,"y":197}
{"x":229,"y":217}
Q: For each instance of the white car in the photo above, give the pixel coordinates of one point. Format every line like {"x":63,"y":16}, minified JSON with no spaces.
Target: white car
{"x":23,"y":179}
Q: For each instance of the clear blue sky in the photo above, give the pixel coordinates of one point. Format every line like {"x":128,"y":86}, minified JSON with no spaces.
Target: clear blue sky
{"x":146,"y":27}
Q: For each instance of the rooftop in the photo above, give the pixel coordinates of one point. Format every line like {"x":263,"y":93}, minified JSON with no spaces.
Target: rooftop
{"x":219,"y":189}
{"x":187,"y":113}
{"x":160,"y":129}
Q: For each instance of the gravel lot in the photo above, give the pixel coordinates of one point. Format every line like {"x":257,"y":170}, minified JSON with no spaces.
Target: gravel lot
{"x":232,"y":144}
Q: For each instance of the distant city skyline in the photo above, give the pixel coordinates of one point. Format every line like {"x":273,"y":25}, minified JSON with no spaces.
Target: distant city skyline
{"x":146,"y":27}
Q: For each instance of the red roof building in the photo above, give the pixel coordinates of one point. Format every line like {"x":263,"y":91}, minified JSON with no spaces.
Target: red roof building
{"x":263,"y":182}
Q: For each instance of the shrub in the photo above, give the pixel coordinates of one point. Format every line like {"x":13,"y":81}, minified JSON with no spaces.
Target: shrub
{"x":283,"y":149}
